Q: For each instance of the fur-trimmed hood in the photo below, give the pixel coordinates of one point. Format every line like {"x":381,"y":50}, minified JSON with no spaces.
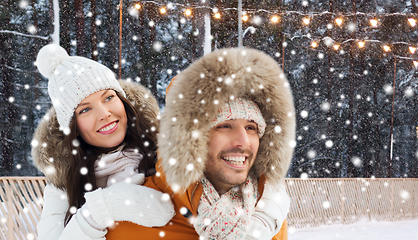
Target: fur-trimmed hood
{"x":194,"y":98}
{"x":48,"y":151}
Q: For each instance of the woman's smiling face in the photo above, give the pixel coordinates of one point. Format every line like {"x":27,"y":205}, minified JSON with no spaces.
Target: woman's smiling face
{"x":101,"y":119}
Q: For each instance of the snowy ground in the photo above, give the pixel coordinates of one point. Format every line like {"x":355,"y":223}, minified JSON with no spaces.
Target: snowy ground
{"x":362,"y":230}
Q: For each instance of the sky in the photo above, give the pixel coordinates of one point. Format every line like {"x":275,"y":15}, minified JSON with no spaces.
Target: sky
{"x":362,"y":230}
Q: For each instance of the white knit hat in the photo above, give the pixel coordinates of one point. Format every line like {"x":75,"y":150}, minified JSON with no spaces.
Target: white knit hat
{"x":241,"y":109}
{"x":72,"y":79}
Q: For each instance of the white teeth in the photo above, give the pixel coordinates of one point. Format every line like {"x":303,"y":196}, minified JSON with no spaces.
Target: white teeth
{"x":234,"y":160}
{"x":108,"y":127}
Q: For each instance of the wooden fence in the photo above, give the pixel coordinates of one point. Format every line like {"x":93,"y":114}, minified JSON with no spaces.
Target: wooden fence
{"x":313,"y":202}
{"x":20,"y":206}
{"x":321,"y":201}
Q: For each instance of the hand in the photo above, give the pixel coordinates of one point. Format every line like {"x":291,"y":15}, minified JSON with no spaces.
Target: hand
{"x":129,"y":202}
{"x":273,"y":206}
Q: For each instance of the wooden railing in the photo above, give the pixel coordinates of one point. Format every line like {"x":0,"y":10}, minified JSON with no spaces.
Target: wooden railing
{"x":322,"y":201}
{"x":313,"y":202}
{"x":20,"y":206}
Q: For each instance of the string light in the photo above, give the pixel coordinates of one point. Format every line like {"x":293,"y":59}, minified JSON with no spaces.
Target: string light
{"x":373,"y":22}
{"x":412,"y":22}
{"x":339,"y":21}
{"x":188,"y":12}
{"x":416,"y":65}
{"x":275,"y":19}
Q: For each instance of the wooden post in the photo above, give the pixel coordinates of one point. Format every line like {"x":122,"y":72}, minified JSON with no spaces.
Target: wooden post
{"x":10,"y":210}
{"x":120,"y":39}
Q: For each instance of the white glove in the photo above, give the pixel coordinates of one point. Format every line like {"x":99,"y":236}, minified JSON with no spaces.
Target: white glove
{"x":129,"y":202}
{"x":260,"y":227}
{"x":273,"y":206}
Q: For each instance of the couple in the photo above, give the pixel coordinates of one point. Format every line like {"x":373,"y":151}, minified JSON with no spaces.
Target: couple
{"x":224,"y":146}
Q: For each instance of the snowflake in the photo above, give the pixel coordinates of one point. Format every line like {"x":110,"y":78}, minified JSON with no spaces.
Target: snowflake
{"x":304,"y":114}
{"x":172,"y":161}
{"x":88,"y":187}
{"x":165,"y":197}
{"x":329,"y":143}
{"x":30,"y":236}
{"x":190,"y":167}
{"x":292,"y":143}
{"x":409,"y":92}
{"x":325,"y":106}
{"x":352,"y":27}
{"x":32,"y":29}
{"x":195,"y":134}
{"x":84,"y":170}
{"x":387,"y":88}
{"x":404,"y":194}
{"x":304,"y":176}
{"x":75,"y":143}
{"x":73,"y":210}
{"x":311,"y":154}
{"x":157,"y":46}
{"x":357,"y":161}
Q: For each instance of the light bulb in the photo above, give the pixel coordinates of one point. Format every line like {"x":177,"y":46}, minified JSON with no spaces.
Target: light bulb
{"x":412,"y":21}
{"x":339,"y":21}
{"x":275,"y":19}
{"x":373,"y":22}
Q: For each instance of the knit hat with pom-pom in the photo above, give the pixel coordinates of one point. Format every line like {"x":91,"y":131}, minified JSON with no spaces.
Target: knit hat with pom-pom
{"x":72,"y":79}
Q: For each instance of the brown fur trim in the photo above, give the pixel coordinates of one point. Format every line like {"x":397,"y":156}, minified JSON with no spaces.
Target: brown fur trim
{"x":48,"y":151}
{"x":193,"y":101}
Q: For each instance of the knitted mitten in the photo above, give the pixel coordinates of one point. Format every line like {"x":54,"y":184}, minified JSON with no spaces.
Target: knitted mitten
{"x":261,"y":227}
{"x":129,"y":202}
{"x":273,"y":207}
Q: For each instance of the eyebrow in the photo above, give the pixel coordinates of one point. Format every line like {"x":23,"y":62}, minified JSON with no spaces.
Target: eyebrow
{"x":82,"y":104}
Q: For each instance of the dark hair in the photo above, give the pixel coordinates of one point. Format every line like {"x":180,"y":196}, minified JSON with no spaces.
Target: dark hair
{"x":141,"y":135}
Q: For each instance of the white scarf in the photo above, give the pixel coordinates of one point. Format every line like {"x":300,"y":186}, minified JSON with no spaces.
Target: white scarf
{"x":229,"y":215}
{"x":116,"y":166}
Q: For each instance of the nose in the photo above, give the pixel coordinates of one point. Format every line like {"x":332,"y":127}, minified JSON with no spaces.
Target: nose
{"x":241,"y":138}
{"x":103,"y":112}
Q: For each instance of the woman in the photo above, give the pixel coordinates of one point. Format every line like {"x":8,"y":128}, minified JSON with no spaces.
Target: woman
{"x":95,"y":146}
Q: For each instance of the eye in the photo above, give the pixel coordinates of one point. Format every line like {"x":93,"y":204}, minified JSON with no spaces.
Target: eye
{"x":84,"y":110}
{"x":109,"y":98}
{"x":223,"y":126}
{"x":252,"y":127}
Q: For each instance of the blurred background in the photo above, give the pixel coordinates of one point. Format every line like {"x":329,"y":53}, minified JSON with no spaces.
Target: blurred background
{"x":351,"y":66}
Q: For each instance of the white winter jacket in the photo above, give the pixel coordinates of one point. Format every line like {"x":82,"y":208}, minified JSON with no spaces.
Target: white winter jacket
{"x":51,"y":225}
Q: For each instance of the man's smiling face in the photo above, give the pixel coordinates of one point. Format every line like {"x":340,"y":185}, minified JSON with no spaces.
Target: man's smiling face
{"x":232,"y":149}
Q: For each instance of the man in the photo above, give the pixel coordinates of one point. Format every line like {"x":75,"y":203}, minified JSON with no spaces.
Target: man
{"x":226,"y":140}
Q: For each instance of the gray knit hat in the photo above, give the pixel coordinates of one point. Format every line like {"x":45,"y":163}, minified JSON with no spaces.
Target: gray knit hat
{"x":240,"y":108}
{"x":72,"y":79}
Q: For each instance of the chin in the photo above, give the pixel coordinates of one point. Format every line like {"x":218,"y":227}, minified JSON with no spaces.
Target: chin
{"x":239,"y":181}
